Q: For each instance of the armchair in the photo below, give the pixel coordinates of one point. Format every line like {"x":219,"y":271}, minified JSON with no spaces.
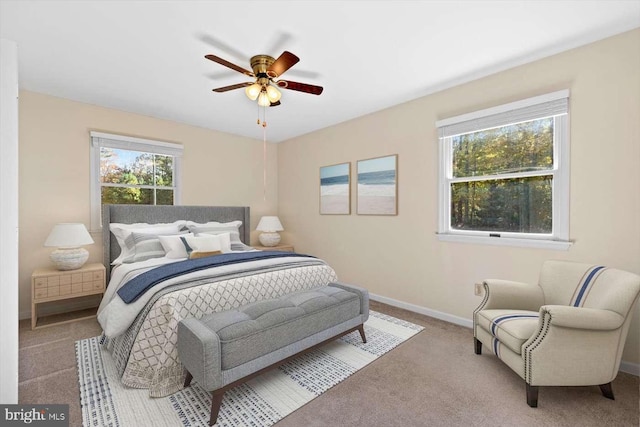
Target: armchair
{"x":569,"y":330}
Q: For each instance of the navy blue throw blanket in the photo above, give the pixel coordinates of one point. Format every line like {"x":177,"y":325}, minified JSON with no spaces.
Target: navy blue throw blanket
{"x":134,"y":288}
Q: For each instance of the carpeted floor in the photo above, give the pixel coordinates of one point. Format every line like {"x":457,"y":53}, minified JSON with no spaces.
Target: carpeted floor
{"x":260,"y":402}
{"x":433,"y":379}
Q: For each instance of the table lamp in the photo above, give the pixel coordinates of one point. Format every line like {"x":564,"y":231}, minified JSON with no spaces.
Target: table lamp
{"x":269,"y":225}
{"x":68,"y":238}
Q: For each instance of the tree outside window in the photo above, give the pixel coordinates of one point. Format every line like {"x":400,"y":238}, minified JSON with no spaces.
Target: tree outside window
{"x":131,"y":177}
{"x":504,"y":172}
{"x":501,"y":201}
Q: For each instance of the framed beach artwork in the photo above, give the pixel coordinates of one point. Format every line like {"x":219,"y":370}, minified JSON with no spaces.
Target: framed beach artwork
{"x":335,"y":189}
{"x":378,"y":186}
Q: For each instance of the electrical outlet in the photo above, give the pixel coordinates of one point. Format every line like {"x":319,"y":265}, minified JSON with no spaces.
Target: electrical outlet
{"x":478,"y":289}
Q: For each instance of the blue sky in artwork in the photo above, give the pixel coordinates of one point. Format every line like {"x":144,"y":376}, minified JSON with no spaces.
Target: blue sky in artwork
{"x":335,"y":170}
{"x":375,"y":165}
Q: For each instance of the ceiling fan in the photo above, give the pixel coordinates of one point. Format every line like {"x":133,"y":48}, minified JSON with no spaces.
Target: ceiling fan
{"x":266,"y":70}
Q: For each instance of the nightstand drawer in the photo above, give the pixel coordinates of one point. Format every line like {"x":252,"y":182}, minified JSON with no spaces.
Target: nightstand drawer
{"x":40,"y":293}
{"x":49,"y":285}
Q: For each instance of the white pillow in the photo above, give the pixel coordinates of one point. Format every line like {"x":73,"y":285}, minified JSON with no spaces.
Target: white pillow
{"x":122,"y":231}
{"x":215,"y":228}
{"x":214,"y":224}
{"x":175,"y":248}
{"x":207,"y":243}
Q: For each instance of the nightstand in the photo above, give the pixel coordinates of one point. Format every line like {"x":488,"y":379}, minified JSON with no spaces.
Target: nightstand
{"x":285,"y":248}
{"x":49,"y":284}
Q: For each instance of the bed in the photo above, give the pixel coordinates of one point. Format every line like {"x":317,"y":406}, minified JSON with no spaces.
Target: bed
{"x":141,"y":335}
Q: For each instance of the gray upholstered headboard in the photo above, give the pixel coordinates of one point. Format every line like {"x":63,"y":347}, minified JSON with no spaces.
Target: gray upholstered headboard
{"x":129,"y":214}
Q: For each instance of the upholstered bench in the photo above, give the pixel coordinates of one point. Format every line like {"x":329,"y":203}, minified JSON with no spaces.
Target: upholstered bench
{"x":222,"y":350}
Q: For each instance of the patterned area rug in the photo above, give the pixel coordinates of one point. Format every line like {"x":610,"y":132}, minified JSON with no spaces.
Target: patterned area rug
{"x":260,"y":402}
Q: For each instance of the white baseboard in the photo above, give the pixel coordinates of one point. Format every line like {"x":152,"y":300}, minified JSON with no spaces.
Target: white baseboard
{"x":627,"y":367}
{"x":423,"y":310}
{"x":630,"y":368}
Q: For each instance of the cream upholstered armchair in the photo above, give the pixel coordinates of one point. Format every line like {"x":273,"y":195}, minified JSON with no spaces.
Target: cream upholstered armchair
{"x":569,"y":330}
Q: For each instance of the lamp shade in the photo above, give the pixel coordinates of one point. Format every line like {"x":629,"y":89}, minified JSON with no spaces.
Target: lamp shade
{"x":68,"y":235}
{"x":253,"y":91}
{"x":273,"y":94}
{"x":269,"y":224}
{"x":263,"y":99}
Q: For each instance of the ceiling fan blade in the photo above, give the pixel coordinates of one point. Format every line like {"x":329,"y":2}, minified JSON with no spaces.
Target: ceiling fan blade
{"x":274,"y":104}
{"x":282,"y":64}
{"x":228,"y":64}
{"x":232,"y":87}
{"x":300,"y":87}
{"x":220,"y":45}
{"x":279,"y":41}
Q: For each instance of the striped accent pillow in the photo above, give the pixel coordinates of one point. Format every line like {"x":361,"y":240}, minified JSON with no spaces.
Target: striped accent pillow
{"x":144,"y":246}
{"x":215,"y":228}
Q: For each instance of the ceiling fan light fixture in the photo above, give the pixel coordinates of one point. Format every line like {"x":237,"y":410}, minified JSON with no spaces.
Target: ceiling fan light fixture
{"x":263,"y":99}
{"x":273,"y":93}
{"x":253,"y":91}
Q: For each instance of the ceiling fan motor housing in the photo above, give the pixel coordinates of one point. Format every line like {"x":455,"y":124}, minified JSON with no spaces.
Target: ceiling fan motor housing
{"x":260,"y":64}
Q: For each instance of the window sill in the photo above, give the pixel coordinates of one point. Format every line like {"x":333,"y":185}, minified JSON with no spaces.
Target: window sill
{"x":506,"y":241}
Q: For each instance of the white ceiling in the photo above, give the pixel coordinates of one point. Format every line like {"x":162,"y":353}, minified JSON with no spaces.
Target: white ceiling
{"x":148,"y":57}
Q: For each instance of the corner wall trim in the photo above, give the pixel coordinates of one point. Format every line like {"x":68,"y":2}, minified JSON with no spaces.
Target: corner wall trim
{"x":627,"y":367}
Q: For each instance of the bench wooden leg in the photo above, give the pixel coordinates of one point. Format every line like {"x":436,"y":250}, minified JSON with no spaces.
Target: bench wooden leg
{"x":216,"y":401}
{"x":187,"y":381}
{"x":362,"y":335}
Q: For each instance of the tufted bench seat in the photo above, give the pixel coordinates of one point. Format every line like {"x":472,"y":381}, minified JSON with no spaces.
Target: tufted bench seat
{"x":222,"y":350}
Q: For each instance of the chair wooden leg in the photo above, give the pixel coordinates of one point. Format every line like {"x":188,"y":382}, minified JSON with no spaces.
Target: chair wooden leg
{"x":532,"y":395}
{"x":478,"y":345}
{"x":362,"y":335}
{"x":216,"y":401}
{"x":607,"y":391}
{"x":187,"y":381}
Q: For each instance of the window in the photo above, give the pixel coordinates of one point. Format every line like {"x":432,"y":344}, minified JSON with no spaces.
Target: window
{"x":127,"y":170}
{"x":504,"y":174}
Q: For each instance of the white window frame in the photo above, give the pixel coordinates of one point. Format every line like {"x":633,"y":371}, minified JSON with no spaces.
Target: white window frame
{"x":100,"y":139}
{"x":554,"y":105}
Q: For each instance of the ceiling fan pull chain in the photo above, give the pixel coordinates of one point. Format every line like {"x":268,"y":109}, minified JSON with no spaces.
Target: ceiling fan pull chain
{"x":264,"y":160}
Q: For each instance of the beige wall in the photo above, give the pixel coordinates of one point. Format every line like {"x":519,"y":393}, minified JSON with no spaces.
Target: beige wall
{"x":399,"y":257}
{"x":217,"y":169}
